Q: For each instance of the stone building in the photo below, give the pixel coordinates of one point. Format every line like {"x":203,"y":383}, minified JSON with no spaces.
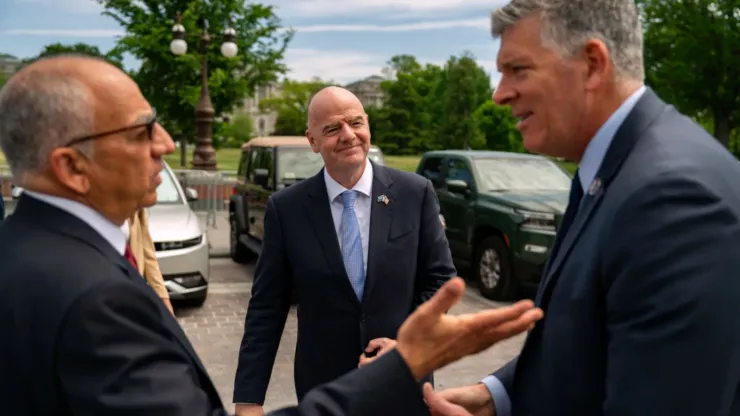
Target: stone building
{"x":368,"y":90}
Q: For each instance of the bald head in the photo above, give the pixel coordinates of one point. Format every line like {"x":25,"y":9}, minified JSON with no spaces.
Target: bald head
{"x":50,"y":102}
{"x":331,"y":100}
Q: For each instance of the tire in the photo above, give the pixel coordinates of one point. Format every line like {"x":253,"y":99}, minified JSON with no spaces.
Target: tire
{"x":492,"y":270}
{"x":238,"y":251}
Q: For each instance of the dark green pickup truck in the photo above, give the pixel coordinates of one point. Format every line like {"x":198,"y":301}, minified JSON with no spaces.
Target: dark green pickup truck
{"x":501,"y":211}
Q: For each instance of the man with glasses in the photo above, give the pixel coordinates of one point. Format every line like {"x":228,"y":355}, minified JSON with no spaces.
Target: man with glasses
{"x":82,"y":333}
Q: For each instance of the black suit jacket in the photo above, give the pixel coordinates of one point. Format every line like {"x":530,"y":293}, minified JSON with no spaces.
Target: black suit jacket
{"x":2,"y":207}
{"x":641,"y":300}
{"x":83,"y":334}
{"x":408,"y":260}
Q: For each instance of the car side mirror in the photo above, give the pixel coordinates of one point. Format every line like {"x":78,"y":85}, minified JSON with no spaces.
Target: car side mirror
{"x":191,"y":194}
{"x":457,"y":186}
{"x":260,"y":177}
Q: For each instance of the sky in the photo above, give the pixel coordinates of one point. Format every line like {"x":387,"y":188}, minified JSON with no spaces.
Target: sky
{"x":338,"y":40}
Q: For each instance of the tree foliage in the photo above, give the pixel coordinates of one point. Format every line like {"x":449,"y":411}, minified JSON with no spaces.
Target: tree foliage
{"x":291,"y":105}
{"x":78,"y":49}
{"x":431,"y":108}
{"x":173,"y":83}
{"x":692,"y":56}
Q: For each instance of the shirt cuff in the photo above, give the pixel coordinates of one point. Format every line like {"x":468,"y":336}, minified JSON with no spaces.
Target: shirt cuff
{"x":501,"y":401}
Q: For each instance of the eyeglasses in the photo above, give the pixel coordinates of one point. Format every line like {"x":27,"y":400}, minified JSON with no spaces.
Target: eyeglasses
{"x":149,"y":124}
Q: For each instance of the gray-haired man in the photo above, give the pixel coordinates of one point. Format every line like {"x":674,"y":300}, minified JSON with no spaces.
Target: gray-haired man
{"x":641,"y":291}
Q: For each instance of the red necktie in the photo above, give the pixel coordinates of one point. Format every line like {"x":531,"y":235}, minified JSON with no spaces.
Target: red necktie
{"x":130,"y":257}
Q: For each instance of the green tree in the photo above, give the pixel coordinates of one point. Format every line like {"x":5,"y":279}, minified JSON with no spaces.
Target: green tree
{"x":692,"y":55}
{"x":498,"y":127}
{"x":77,"y":48}
{"x":291,"y":105}
{"x":404,"y":125}
{"x":466,"y":87}
{"x":238,"y":131}
{"x":172,"y":84}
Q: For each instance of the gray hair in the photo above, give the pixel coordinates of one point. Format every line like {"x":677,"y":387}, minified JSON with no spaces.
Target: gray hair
{"x":568,"y":24}
{"x":41,"y":110}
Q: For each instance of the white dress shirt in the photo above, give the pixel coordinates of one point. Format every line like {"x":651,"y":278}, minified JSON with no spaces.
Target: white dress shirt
{"x":126,"y":231}
{"x":109,"y":231}
{"x":364,"y":188}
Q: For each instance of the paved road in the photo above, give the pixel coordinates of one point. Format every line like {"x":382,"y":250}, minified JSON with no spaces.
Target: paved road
{"x":216,"y":329}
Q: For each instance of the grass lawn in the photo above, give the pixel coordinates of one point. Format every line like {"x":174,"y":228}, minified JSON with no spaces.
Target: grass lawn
{"x":228,"y":160}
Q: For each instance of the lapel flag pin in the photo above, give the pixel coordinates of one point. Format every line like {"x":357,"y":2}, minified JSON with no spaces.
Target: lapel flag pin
{"x":595,"y":187}
{"x":384,"y":199}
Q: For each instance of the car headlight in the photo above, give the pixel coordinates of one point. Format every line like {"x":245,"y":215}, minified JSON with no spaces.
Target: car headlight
{"x":177,"y":245}
{"x":537,"y":221}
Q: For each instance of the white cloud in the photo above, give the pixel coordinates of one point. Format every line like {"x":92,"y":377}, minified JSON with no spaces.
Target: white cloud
{"x":385,"y":7}
{"x":343,"y":67}
{"x":74,"y":33}
{"x":339,"y":66}
{"x":481,"y":23}
{"x":74,"y":6}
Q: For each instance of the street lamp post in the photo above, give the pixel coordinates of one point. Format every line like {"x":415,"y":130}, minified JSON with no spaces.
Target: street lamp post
{"x":204,"y":155}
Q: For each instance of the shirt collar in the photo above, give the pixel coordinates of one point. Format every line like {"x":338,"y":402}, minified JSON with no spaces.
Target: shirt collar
{"x":109,"y":231}
{"x":363,"y":186}
{"x":596,"y":149}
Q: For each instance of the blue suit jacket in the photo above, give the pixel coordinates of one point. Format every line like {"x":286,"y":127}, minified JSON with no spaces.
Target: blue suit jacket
{"x":2,"y":208}
{"x":642,"y":300}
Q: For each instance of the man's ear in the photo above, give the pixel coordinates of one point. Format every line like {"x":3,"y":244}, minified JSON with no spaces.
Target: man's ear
{"x":312,"y":141}
{"x":71,"y":169}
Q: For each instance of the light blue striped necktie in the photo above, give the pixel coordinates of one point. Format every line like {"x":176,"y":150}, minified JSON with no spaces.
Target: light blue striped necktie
{"x":352,"y":244}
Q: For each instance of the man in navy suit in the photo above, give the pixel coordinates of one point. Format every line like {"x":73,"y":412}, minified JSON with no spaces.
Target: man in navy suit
{"x":642,"y":291}
{"x":361,"y":243}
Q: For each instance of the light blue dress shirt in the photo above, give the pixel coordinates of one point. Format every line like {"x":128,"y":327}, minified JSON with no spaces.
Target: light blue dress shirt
{"x":589,"y":166}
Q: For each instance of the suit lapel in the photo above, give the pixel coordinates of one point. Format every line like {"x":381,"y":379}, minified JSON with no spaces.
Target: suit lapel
{"x":319,"y":213}
{"x":648,"y":107}
{"x":381,"y":216}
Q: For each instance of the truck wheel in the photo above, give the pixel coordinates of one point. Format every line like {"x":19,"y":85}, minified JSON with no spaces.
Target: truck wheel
{"x":238,"y":251}
{"x":493,"y":270}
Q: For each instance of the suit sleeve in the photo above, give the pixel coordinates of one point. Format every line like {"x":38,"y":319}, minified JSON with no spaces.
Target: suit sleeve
{"x":152,"y":273}
{"x":114,"y":357}
{"x":435,"y":264}
{"x":384,"y":387}
{"x":266,"y":314}
{"x":672,"y":290}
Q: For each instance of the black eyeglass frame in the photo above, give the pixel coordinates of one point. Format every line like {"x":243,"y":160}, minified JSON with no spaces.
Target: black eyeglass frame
{"x":149,"y":124}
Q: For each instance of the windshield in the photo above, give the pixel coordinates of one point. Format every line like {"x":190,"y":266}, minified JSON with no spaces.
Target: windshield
{"x":167,"y":192}
{"x":298,"y":163}
{"x":519,"y":174}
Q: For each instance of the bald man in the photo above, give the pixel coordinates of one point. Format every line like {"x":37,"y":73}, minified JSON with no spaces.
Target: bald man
{"x":363,"y":246}
{"x":81,"y":332}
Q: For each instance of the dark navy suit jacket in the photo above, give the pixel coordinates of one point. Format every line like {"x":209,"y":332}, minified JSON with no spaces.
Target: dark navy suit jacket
{"x":408,"y":260}
{"x":81,"y":333}
{"x":642,"y":300}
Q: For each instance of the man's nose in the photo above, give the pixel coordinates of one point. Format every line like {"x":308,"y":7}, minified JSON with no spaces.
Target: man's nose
{"x":346,"y":134}
{"x":503,"y":94}
{"x":162,"y":143}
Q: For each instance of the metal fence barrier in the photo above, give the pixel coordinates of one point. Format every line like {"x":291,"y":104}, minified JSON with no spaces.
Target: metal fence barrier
{"x":214,"y":190}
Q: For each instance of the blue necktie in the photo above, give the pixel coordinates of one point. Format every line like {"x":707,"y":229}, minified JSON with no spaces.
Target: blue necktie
{"x":352,"y":244}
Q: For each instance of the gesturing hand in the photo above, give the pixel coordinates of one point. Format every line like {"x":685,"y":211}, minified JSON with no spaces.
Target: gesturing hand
{"x":430,"y":339}
{"x":378,"y":345}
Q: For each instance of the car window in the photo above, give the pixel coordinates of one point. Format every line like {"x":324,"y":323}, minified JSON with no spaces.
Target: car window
{"x":253,"y":154}
{"x":507,"y":173}
{"x":268,"y":162}
{"x":458,"y":170}
{"x":243,"y":165}
{"x":298,"y":163}
{"x":167,"y":192}
{"x":432,"y":170}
